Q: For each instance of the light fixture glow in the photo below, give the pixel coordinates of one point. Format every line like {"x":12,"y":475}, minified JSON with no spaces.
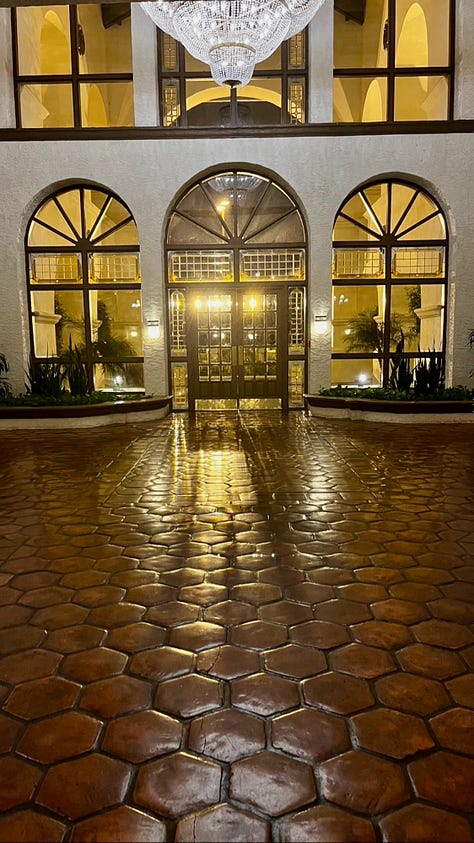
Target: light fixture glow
{"x":231,"y":35}
{"x":321,"y":323}
{"x":153,"y":329}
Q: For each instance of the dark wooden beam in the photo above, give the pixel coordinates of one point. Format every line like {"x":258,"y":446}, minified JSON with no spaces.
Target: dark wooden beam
{"x":11,"y":4}
{"x":351,"y":9}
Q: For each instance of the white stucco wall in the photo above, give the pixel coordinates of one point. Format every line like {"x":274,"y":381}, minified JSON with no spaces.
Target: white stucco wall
{"x":320,"y":64}
{"x":145,"y":69}
{"x":320,"y":172}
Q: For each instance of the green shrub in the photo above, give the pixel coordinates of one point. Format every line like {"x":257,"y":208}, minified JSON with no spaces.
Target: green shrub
{"x":66,"y":399}
{"x":378,"y":393}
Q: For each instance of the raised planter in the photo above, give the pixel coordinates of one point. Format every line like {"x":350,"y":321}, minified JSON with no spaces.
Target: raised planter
{"x":399,"y":412}
{"x":84,"y":415}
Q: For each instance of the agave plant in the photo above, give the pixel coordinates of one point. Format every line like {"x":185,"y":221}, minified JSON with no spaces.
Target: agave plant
{"x":76,"y":371}
{"x":5,"y":388}
{"x":401,"y":376}
{"x":429,"y":378}
{"x":45,"y":377}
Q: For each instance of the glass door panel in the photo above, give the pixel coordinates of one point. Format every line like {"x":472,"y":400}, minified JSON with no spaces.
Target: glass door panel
{"x":261,"y":349}
{"x":212,"y":351}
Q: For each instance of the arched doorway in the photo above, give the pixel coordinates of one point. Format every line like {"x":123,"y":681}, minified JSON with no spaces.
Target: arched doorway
{"x":236,"y":262}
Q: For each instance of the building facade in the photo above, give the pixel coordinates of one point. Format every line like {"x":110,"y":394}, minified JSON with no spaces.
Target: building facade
{"x":237,"y":248}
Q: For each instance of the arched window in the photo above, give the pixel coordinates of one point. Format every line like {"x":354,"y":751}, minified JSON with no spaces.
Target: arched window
{"x":389,"y":281}
{"x":84,"y":285}
{"x":236,"y":262}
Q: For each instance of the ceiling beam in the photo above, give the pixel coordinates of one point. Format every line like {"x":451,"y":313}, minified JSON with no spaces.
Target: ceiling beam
{"x":9,"y":4}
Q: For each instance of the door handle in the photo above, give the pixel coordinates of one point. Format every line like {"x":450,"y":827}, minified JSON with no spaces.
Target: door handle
{"x":234,"y":355}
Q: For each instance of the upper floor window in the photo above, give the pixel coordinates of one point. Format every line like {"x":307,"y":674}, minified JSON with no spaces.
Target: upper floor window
{"x":277,"y":93}
{"x":73,"y":66}
{"x":393,"y":60}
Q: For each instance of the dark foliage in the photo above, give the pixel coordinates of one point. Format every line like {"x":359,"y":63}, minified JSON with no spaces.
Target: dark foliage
{"x":76,"y":371}
{"x":45,"y":378}
{"x":5,"y":388}
{"x":401,"y":376}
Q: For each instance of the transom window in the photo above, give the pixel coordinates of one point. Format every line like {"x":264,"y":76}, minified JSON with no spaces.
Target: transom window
{"x":389,"y":282}
{"x":277,"y":93}
{"x":393,"y":60}
{"x":236,"y":226}
{"x":84,"y":285}
{"x":73,"y":66}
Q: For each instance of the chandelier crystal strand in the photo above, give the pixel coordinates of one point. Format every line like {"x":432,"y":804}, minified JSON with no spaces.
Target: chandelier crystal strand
{"x":302,"y":11}
{"x":231,"y":35}
{"x":161,"y":12}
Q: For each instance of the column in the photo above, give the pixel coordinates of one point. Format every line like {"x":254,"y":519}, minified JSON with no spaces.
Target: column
{"x":145,"y":68}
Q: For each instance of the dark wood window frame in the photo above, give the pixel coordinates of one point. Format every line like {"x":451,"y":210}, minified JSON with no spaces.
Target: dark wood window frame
{"x":391,"y":73}
{"x":181,"y":75}
{"x":389,"y":241}
{"x":74,"y":79}
{"x":83,"y":246}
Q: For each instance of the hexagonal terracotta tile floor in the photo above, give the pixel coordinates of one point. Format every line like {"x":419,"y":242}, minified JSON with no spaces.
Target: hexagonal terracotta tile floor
{"x":275,"y":645}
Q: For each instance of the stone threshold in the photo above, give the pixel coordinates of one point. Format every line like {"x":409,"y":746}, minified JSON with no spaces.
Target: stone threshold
{"x":395,"y":412}
{"x":84,"y":415}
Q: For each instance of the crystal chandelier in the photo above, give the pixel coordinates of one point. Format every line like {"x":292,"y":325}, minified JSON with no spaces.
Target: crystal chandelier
{"x":234,"y":186}
{"x":231,"y":36}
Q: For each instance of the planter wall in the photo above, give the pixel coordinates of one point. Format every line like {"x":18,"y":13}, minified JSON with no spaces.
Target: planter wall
{"x":398,"y":412}
{"x":84,"y":415}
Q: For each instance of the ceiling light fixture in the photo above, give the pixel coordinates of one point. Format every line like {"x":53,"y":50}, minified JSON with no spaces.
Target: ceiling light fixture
{"x":231,"y":35}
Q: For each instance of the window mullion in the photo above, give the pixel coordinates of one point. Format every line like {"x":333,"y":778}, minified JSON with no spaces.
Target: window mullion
{"x":76,"y":104}
{"x":392,"y":35}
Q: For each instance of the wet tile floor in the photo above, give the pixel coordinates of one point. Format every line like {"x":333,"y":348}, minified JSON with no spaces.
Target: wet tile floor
{"x":251,"y":627}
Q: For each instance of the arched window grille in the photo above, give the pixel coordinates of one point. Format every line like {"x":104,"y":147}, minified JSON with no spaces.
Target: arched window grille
{"x":84,"y":286}
{"x":389,"y":282}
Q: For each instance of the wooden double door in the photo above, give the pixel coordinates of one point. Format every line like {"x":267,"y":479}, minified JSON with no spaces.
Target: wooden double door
{"x":238,"y":344}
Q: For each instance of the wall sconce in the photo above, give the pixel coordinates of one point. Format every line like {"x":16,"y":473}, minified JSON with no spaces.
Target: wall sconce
{"x":153,"y":328}
{"x":321,"y":323}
